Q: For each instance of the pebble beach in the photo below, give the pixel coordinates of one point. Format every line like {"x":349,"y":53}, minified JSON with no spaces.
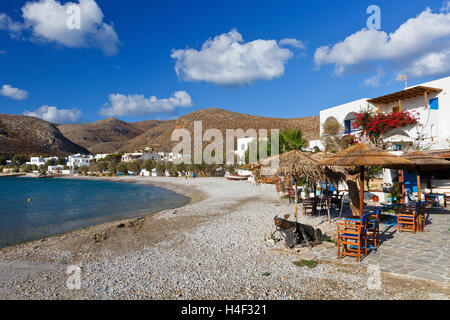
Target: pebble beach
{"x":216,"y":247}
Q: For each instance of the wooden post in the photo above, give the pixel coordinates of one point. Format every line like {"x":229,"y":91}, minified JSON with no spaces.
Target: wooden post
{"x":401,"y":180}
{"x":419,"y":200}
{"x":296,"y":201}
{"x":419,"y":192}
{"x":399,"y":105}
{"x":426,"y":99}
{"x":315,"y":199}
{"x":328,"y":203}
{"x":379,"y":108}
{"x":361,"y":191}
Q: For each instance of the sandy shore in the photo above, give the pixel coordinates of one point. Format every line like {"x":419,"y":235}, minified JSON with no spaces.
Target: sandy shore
{"x":212,"y":248}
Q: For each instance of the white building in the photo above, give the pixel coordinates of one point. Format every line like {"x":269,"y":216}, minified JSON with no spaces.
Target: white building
{"x":169,"y":156}
{"x":431,"y":102}
{"x":79,"y":160}
{"x":51,"y":159}
{"x":101,"y":156}
{"x":41,"y":161}
{"x":128,"y":157}
{"x":36,"y":161}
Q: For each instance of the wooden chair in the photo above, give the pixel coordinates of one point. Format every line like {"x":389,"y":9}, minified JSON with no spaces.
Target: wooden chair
{"x":351,"y":235}
{"x":336,"y":200}
{"x":373,"y":229}
{"x":324,"y":200}
{"x":291,"y":193}
{"x":408,"y":219}
{"x":309,"y":206}
{"x":446,"y":198}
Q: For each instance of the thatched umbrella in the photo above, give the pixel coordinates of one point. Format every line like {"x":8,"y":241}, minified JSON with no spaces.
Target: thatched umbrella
{"x":361,"y":155}
{"x":333,"y":175}
{"x":424,"y":162}
{"x":294,"y":164}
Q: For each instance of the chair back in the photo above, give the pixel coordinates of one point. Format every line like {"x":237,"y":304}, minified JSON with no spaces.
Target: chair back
{"x":410,"y":209}
{"x":308,"y":202}
{"x":291,"y":194}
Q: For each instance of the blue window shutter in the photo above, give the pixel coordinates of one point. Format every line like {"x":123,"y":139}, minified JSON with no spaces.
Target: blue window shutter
{"x":434,"y":104}
{"x":348,"y":127}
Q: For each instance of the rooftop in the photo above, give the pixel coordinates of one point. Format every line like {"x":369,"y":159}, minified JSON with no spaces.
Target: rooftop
{"x":404,"y":94}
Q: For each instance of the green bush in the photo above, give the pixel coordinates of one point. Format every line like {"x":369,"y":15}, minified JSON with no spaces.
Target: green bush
{"x":306,"y":263}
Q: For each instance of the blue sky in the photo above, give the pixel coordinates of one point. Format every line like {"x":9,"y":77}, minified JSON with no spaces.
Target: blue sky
{"x":120,"y":65}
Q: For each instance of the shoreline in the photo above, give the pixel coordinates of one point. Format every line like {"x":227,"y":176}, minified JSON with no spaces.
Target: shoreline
{"x":99,"y":229}
{"x":192,"y":195}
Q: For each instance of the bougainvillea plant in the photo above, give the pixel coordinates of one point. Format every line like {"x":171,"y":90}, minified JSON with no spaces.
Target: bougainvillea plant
{"x":373,"y":125}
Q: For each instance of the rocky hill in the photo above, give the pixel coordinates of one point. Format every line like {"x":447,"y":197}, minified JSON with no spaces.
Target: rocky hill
{"x":105,"y":136}
{"x":22,"y":134}
{"x":30,"y":135}
{"x":159,"y":135}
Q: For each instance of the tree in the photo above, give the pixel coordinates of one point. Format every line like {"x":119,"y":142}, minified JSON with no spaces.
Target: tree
{"x":83,"y":170}
{"x":331,"y":137}
{"x":161,"y":168}
{"x":19,"y":159}
{"x":47,"y":164}
{"x":122,"y":167}
{"x":2,"y":160}
{"x":291,"y":139}
{"x":117,"y":157}
{"x":149,"y":164}
{"x":61,"y":161}
{"x":112,"y":167}
{"x":134,"y":166}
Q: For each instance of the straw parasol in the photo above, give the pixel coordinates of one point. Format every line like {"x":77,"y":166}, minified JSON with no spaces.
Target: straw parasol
{"x":361,"y":155}
{"x":293,"y":164}
{"x":424,"y":162}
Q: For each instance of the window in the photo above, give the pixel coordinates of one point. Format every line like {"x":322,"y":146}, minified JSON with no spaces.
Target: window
{"x":397,"y":147}
{"x":348,"y":124}
{"x":434,"y":104}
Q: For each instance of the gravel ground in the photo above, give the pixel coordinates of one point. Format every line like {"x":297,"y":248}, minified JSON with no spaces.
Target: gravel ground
{"x":216,"y":247}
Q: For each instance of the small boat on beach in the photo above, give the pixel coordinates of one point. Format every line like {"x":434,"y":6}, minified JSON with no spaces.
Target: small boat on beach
{"x":237,"y":177}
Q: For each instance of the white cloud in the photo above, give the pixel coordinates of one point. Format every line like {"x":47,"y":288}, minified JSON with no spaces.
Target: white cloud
{"x":413,"y":49}
{"x":227,"y":60}
{"x":46,"y":20}
{"x":445,"y":6}
{"x":138,"y":105}
{"x":13,"y":93}
{"x":293,"y":43}
{"x":6,"y":23}
{"x":55,"y":115}
{"x":374,"y":81}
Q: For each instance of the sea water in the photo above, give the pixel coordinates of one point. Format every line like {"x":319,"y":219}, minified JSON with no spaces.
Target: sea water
{"x":32,"y":208}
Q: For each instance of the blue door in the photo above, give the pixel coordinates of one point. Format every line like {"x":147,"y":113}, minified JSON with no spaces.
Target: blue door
{"x":411,"y":180}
